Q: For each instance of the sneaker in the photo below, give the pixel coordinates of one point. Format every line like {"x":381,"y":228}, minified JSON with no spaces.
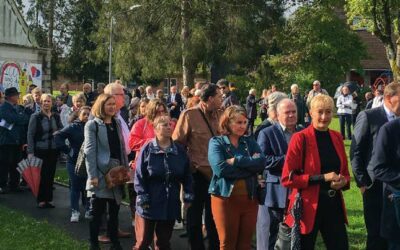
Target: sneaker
{"x":88,"y":215}
{"x":75,"y":216}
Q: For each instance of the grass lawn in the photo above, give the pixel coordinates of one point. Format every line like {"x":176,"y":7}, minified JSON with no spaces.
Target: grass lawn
{"x":21,"y":232}
{"x":353,"y":200}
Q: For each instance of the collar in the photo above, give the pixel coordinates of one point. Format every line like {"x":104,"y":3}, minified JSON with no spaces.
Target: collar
{"x":226,"y":140}
{"x":155,"y":148}
{"x":284,"y":129}
{"x":10,"y":103}
{"x":389,"y":114}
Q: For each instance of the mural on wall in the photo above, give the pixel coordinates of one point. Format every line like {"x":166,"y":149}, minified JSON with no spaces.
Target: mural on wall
{"x":20,"y":75}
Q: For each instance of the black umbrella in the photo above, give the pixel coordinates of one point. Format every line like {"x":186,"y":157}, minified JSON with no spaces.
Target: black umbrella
{"x":296,"y":212}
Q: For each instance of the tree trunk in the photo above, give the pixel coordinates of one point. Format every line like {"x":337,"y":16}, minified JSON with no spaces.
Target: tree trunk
{"x":392,"y":56}
{"x":187,"y":72}
{"x":397,"y":61}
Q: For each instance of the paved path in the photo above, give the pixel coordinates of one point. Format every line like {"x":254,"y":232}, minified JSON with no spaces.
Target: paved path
{"x":26,"y":203}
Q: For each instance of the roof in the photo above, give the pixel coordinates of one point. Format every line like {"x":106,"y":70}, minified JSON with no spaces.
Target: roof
{"x":376,"y":52}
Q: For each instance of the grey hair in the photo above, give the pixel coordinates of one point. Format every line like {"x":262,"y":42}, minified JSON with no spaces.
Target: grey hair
{"x":252,"y":91}
{"x":283,"y":101}
{"x":294,"y":86}
{"x":274,"y":99}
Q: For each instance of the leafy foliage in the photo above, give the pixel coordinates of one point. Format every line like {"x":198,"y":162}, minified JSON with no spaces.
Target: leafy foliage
{"x":223,"y":36}
{"x":381,"y":17}
{"x":316,"y":44}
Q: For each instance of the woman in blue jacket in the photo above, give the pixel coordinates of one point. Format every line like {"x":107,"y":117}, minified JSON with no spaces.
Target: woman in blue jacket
{"x":74,"y":133}
{"x":161,"y":169}
{"x":235,"y":160}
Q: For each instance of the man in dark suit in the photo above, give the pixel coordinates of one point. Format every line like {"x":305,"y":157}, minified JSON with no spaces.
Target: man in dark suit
{"x":385,"y":165}
{"x":251,"y":109}
{"x":13,"y":120}
{"x":274,"y":142}
{"x":366,"y":129}
{"x":174,"y":102}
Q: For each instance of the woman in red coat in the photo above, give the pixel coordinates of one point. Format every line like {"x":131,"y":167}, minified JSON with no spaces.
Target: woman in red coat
{"x":321,"y":179}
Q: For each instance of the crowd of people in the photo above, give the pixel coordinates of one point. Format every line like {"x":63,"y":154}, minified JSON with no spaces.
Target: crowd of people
{"x":196,"y":157}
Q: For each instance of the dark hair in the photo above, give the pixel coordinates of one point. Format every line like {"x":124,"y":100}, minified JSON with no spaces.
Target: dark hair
{"x":207,"y":91}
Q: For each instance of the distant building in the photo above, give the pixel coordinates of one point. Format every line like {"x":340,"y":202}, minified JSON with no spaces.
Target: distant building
{"x":22,"y":61}
{"x":376,"y":67}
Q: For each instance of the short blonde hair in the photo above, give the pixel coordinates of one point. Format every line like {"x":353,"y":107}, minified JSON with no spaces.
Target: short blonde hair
{"x":229,"y":114}
{"x":36,"y":90}
{"x":79,"y":96}
{"x":46,"y":95}
{"x":98,"y":106}
{"x":28,"y":98}
{"x":161,"y":119}
{"x":323,"y":101}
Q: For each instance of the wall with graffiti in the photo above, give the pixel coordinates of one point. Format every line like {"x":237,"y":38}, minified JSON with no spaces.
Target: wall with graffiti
{"x":20,"y":75}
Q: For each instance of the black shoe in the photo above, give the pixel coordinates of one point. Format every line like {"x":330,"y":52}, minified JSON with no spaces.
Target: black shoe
{"x":49,"y":205}
{"x":116,"y":246}
{"x":4,"y":190}
{"x":94,"y":246}
{"x":16,"y":190}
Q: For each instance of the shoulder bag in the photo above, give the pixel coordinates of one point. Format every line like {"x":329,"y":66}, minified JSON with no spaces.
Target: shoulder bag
{"x":206,"y":170}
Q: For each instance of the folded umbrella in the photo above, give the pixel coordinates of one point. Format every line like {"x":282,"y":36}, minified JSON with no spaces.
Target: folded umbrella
{"x":30,"y":171}
{"x":296,"y":212}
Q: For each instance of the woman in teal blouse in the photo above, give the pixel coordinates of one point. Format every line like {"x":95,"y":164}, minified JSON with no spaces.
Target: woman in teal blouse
{"x":235,"y":160}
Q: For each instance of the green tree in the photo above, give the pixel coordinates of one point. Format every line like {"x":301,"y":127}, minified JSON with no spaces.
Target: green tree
{"x":166,"y":37}
{"x":382,"y":18}
{"x":77,"y":64}
{"x":316,"y":44}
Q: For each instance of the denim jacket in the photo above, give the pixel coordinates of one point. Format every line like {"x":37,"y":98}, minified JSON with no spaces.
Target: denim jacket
{"x":158,"y":178}
{"x":244,"y":167}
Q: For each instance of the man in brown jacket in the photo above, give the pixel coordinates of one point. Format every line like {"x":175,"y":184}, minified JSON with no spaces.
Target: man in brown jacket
{"x":194,"y":129}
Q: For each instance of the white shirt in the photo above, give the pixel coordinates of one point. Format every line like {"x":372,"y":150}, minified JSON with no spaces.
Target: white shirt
{"x":389,"y":114}
{"x":172,"y":97}
{"x":377,"y":101}
{"x":344,"y":105}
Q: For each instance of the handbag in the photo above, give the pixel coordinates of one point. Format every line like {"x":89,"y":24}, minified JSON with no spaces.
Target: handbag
{"x":117,"y":175}
{"x":80,"y":166}
{"x":289,"y":238}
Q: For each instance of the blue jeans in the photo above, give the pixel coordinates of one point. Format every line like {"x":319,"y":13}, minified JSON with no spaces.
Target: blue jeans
{"x":77,"y":187}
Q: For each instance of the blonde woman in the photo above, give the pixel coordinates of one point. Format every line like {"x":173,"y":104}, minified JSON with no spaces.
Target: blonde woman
{"x":41,"y":143}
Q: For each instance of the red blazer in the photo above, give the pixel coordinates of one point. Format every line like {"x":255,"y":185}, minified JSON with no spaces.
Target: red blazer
{"x":310,"y":194}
